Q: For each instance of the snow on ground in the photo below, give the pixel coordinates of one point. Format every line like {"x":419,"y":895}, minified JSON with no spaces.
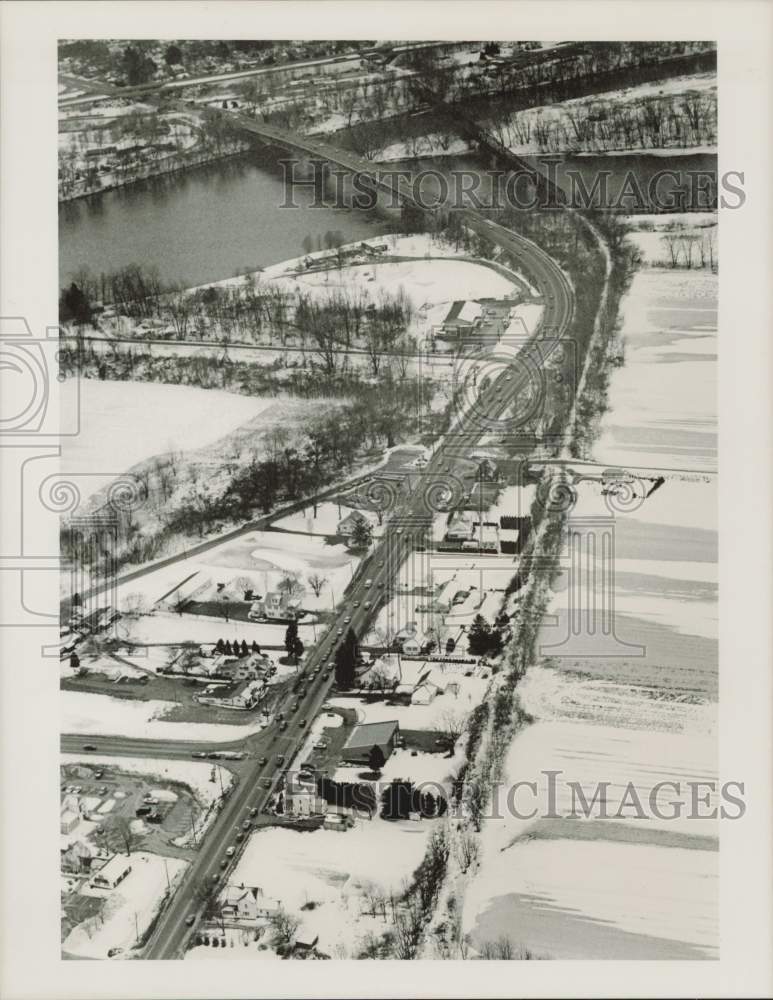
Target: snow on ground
{"x":262,"y":557}
{"x":167,"y":627}
{"x":97,"y":714}
{"x":123,"y":423}
{"x":329,"y":868}
{"x":428,"y":717}
{"x":574,"y":886}
{"x":129,"y":908}
{"x":429,"y":769}
{"x":196,"y":776}
{"x":663,"y":401}
{"x":426,"y":282}
{"x":569,"y":900}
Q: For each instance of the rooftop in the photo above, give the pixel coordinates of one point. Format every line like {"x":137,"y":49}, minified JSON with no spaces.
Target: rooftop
{"x":371,"y":733}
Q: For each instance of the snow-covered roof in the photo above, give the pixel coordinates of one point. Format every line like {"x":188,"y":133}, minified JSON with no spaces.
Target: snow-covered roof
{"x":371,"y":733}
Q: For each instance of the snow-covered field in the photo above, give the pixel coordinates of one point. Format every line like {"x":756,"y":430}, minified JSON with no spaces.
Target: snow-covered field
{"x":331,"y":869}
{"x":662,"y":402}
{"x":97,"y":714}
{"x":123,"y":423}
{"x":129,"y":908}
{"x":426,"y":282}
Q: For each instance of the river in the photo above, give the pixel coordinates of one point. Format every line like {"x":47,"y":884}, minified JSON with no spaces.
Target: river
{"x":208,"y":223}
{"x":212,"y":222}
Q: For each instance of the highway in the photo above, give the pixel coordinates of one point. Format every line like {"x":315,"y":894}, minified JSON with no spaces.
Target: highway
{"x":373,"y":584}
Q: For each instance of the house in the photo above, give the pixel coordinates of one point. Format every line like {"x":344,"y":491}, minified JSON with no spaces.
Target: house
{"x":363,"y":738}
{"x":347,"y":524}
{"x":304,"y":802}
{"x":462,"y":318}
{"x":68,"y":820}
{"x":277,"y":605}
{"x":383,"y":673}
{"x":247,"y":903}
{"x":415,"y":644}
{"x":112,"y":873}
{"x":459,"y":528}
{"x":424,"y":693}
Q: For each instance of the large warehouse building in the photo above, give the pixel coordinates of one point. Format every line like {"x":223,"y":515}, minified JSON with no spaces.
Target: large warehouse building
{"x":363,"y":738}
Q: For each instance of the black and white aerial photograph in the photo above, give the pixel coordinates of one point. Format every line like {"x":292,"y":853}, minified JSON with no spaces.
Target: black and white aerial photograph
{"x":387,"y":498}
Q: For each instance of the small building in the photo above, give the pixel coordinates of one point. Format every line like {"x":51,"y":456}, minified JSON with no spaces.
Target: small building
{"x":276,"y":605}
{"x":304,"y":802}
{"x":247,"y":903}
{"x":462,"y":318}
{"x":335,"y":822}
{"x":363,"y":738}
{"x":414,"y":645}
{"x":68,"y":820}
{"x":383,"y":673}
{"x":112,"y":873}
{"x":347,"y":524}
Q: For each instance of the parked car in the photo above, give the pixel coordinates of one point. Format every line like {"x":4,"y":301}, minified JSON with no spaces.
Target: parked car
{"x":280,"y":759}
{"x":89,"y":746}
{"x":263,"y":760}
{"x":302,"y":723}
{"x":347,"y":620}
{"x":224,"y":863}
{"x":230,"y":851}
{"x":368,"y":583}
{"x":254,"y":811}
{"x":240,"y":836}
{"x":199,"y":754}
{"x":266,"y":782}
{"x":190,"y":920}
{"x":246,"y":824}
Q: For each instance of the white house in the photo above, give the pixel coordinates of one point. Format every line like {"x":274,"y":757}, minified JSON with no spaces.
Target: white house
{"x":304,"y":802}
{"x":112,"y":873}
{"x":247,"y":903}
{"x":68,"y":820}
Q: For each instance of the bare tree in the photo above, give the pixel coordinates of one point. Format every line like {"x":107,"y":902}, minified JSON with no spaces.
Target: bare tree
{"x":316,"y":581}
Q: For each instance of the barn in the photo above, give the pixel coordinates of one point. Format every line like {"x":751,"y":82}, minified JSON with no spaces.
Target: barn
{"x":363,"y":738}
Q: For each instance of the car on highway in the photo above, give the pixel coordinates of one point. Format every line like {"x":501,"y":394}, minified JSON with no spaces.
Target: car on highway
{"x":190,"y":920}
{"x":302,"y":723}
{"x":355,"y":604}
{"x":263,"y":760}
{"x":340,"y":632}
{"x":230,"y":851}
{"x":366,"y":605}
{"x":266,"y":782}
{"x":283,"y":726}
{"x":296,"y":706}
{"x":369,"y":582}
{"x":199,"y":754}
{"x":347,"y":620}
{"x":254,"y":811}
{"x":280,"y":758}
{"x":89,"y":746}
